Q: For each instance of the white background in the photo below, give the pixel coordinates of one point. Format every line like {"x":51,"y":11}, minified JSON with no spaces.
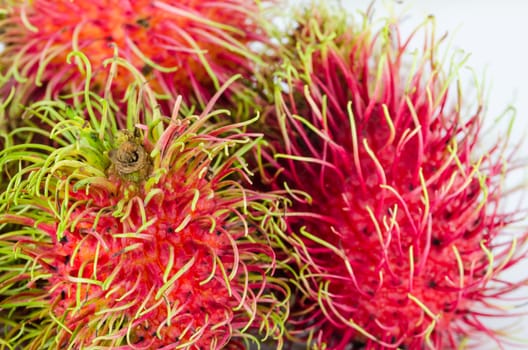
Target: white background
{"x":495,"y":33}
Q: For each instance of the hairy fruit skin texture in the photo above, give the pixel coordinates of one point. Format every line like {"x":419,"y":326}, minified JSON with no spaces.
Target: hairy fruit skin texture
{"x":169,"y":252}
{"x":396,"y":215}
{"x":186,"y":48}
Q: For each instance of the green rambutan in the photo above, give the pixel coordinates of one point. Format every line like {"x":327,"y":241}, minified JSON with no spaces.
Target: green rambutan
{"x":397,"y":222}
{"x":143,"y":238}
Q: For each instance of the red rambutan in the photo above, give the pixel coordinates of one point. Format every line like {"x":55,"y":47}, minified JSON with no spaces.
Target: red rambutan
{"x":137,"y":239}
{"x":396,"y":222}
{"x":187,"y":48}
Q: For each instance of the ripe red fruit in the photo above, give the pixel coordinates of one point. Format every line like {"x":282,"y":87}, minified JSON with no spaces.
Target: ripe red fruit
{"x":186,"y":48}
{"x":137,"y":239}
{"x":397,"y":222}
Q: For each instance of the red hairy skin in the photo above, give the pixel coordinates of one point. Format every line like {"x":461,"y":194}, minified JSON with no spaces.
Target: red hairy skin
{"x":186,"y":48}
{"x":396,"y":223}
{"x":137,"y":239}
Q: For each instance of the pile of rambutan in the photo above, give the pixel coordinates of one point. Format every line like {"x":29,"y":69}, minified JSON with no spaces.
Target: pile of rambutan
{"x":192,"y":175}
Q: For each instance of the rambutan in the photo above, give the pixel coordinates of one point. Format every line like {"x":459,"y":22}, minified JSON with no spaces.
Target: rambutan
{"x":396,"y":222}
{"x":144,"y":238}
{"x":187,"y":48}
